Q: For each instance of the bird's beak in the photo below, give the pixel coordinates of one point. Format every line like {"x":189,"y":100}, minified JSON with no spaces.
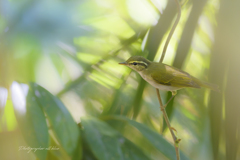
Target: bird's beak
{"x":123,"y":63}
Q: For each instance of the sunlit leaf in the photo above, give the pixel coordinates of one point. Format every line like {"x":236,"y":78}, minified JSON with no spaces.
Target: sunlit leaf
{"x":10,"y":117}
{"x":121,"y":28}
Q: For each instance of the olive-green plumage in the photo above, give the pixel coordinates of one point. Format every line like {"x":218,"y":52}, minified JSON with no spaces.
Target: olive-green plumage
{"x":165,"y":77}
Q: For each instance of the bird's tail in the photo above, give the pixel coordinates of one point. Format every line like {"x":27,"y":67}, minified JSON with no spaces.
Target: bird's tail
{"x":211,"y":86}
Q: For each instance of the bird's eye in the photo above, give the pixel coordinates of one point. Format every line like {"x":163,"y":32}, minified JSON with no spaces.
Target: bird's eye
{"x":134,"y":63}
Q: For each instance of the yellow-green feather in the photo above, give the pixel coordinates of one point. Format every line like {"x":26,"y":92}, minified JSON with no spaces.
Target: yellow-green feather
{"x":171,"y":76}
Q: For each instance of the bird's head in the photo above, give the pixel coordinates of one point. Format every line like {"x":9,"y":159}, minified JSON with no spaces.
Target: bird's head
{"x":137,"y":63}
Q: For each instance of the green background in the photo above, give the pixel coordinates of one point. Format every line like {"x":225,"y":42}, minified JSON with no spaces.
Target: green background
{"x":61,"y":85}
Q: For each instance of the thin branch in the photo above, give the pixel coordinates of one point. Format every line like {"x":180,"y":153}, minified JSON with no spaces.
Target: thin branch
{"x":175,"y":139}
{"x":171,"y":32}
{"x":165,"y":115}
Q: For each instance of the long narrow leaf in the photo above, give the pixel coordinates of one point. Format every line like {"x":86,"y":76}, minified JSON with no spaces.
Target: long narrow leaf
{"x":154,"y":138}
{"x":157,"y":140}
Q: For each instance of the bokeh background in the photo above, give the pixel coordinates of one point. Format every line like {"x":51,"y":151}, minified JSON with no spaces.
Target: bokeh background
{"x":72,"y":48}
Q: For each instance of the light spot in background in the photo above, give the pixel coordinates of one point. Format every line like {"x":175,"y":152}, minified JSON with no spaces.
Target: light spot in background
{"x":199,"y":45}
{"x":160,"y":5}
{"x":48,"y":76}
{"x":66,"y":47}
{"x":72,"y":69}
{"x":114,"y":25}
{"x":9,"y":116}
{"x":88,"y":58}
{"x":25,"y":88}
{"x":74,"y":104}
{"x":37,"y":93}
{"x":144,"y":41}
{"x":206,"y":26}
{"x":19,"y":98}
{"x":142,"y":12}
{"x":3,"y":97}
{"x":103,"y":3}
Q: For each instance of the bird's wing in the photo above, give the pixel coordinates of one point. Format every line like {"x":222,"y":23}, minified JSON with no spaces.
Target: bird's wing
{"x":174,"y":77}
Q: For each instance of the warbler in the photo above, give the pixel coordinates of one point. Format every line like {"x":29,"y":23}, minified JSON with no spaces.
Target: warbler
{"x":165,"y":77}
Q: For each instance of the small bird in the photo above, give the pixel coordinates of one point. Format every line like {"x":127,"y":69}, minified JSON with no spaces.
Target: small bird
{"x":165,"y":77}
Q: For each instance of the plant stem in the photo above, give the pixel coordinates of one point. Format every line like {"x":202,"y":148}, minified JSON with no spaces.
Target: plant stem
{"x":176,"y":141}
{"x":171,"y":32}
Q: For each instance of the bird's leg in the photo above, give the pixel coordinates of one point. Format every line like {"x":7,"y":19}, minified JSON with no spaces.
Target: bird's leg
{"x":173,"y":94}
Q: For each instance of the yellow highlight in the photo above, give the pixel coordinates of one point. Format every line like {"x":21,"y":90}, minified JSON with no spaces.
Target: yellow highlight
{"x":142,"y":12}
{"x":114,"y":25}
{"x":88,"y":57}
{"x":10,"y":116}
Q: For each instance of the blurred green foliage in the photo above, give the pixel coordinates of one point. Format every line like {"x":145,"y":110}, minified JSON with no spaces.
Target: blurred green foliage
{"x":69,"y":50}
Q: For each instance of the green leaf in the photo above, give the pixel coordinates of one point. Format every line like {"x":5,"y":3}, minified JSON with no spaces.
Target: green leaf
{"x":154,"y":138}
{"x":30,"y":118}
{"x":56,"y":154}
{"x":157,"y":140}
{"x":107,"y":143}
{"x":65,"y":129}
{"x":78,"y":153}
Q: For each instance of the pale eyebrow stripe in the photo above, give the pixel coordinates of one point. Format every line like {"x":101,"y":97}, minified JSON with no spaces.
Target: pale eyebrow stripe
{"x":140,"y":62}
